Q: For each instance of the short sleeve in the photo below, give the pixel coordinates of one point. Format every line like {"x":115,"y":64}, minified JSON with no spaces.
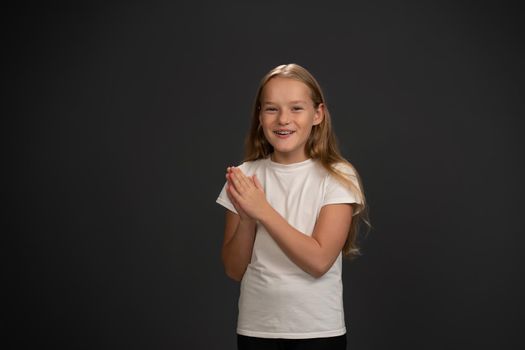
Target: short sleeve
{"x":224,"y":200}
{"x":338,"y":192}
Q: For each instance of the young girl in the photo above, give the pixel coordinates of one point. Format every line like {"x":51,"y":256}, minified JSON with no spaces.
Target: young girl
{"x":294,"y":207}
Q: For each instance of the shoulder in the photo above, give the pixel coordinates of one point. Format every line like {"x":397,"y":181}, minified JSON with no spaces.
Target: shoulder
{"x":345,"y":175}
{"x":345,"y":168}
{"x":252,"y":165}
{"x":343,"y":184}
{"x":338,"y":170}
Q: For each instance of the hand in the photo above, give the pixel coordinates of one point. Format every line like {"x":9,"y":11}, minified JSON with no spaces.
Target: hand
{"x":242,"y":214}
{"x":246,"y":194}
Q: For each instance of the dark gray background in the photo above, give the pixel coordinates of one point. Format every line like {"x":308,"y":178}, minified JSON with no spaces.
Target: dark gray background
{"x":120,"y":118}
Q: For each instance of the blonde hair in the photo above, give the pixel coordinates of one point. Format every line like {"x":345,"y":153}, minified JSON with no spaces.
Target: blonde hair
{"x":321,"y":146}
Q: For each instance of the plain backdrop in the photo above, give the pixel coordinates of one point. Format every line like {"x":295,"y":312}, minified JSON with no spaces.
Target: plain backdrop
{"x":120,"y":118}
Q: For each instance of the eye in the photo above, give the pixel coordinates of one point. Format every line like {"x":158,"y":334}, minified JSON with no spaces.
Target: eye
{"x":270,"y":109}
{"x":297,"y":108}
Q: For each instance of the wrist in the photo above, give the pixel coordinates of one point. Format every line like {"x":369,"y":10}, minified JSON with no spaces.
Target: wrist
{"x":266,"y":213}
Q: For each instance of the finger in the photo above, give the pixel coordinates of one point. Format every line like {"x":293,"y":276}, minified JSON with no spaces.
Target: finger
{"x":243,"y":179}
{"x":229,"y":178}
{"x":239,"y":181}
{"x":234,"y":181}
{"x":235,"y":193}
{"x":230,"y":195}
{"x":237,"y":170}
{"x":237,"y":208}
{"x":232,"y":199}
{"x":229,"y":170}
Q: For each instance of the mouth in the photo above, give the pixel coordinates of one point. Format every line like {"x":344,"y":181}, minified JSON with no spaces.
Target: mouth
{"x":283,"y":133}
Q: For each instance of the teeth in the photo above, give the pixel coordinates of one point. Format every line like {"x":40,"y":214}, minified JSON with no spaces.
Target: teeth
{"x":282,"y":132}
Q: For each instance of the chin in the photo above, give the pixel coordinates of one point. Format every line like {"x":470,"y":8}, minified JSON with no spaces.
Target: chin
{"x":281,"y":149}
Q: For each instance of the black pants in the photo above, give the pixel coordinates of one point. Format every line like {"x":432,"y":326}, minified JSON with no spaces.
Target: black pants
{"x":252,"y":343}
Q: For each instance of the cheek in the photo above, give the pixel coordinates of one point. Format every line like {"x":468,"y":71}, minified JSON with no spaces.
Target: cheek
{"x":308,"y":129}
{"x":268,"y":135}
{"x":266,"y":126}
{"x":265,"y":131}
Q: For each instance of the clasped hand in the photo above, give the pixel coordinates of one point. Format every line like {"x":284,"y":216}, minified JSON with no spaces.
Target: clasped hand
{"x":246,"y":194}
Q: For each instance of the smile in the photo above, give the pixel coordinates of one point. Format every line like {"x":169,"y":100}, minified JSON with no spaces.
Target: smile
{"x":283,"y":132}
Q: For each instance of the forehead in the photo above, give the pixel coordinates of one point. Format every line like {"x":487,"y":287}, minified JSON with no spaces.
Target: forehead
{"x":280,"y":89}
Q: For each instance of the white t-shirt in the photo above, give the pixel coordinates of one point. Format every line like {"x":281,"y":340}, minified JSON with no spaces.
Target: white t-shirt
{"x":277,"y":298}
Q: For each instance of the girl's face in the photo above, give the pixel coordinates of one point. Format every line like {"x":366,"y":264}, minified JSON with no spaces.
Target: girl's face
{"x":287,"y":116}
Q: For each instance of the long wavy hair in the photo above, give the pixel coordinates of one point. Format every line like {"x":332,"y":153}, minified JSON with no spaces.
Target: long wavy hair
{"x":321,"y":146}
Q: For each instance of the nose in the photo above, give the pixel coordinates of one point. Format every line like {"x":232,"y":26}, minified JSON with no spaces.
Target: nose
{"x":284,"y":118}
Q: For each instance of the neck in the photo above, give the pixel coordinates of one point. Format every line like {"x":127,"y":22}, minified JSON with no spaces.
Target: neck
{"x":284,"y":159}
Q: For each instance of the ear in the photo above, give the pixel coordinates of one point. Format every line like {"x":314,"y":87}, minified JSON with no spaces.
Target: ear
{"x":319,"y":114}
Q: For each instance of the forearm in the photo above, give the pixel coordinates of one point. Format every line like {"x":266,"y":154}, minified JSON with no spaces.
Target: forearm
{"x":305,"y":251}
{"x":314,"y":252}
{"x":237,"y":252}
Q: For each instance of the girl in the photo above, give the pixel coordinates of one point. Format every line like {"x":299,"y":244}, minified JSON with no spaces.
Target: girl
{"x":294,"y":207}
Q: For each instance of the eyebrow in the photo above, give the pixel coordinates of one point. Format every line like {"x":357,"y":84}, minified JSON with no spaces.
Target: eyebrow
{"x":291,"y":102}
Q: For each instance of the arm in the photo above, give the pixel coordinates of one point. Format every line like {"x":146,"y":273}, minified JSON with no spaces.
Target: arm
{"x":314,"y":254}
{"x":237,"y":247}
{"x":239,"y":237}
{"x":317,"y":253}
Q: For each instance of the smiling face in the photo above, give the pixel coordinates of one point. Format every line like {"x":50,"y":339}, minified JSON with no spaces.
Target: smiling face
{"x":287,"y":116}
